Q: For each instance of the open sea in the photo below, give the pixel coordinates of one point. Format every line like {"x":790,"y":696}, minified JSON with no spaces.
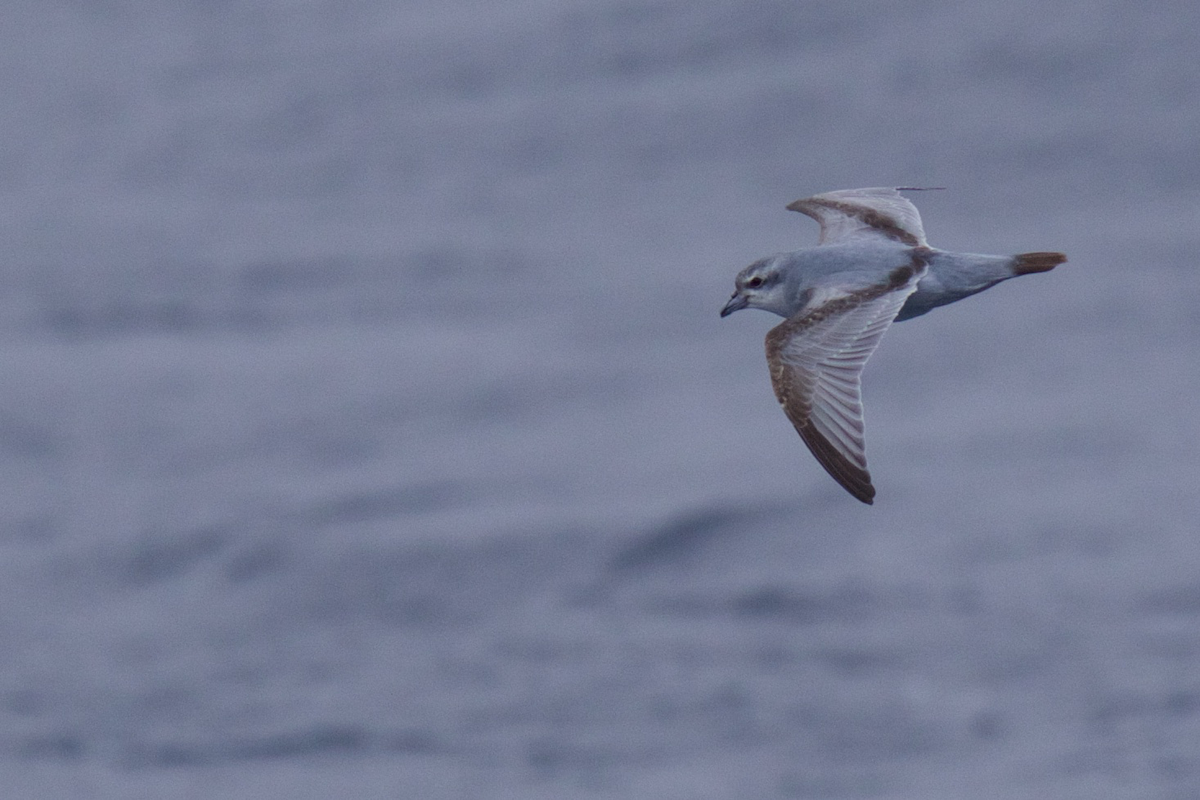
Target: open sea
{"x":367,"y":428}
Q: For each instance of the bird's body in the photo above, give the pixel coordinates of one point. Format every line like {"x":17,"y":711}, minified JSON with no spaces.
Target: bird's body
{"x":872,"y":267}
{"x":950,"y":277}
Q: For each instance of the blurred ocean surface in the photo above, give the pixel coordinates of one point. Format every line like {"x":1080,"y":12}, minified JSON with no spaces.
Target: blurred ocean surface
{"x":368,"y":430}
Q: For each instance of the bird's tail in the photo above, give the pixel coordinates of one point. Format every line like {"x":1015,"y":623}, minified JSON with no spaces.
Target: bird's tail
{"x":1025,"y":263}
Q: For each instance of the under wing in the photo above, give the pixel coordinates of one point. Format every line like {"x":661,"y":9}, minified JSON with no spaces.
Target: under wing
{"x":816,"y":359}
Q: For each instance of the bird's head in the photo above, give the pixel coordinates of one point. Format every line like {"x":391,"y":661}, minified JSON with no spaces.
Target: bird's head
{"x":760,"y":285}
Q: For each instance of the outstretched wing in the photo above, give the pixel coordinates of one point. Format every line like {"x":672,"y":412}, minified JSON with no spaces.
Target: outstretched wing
{"x":858,"y":213}
{"x":816,"y":360}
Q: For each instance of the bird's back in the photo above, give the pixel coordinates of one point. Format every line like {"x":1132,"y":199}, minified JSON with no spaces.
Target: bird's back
{"x":840,"y":267}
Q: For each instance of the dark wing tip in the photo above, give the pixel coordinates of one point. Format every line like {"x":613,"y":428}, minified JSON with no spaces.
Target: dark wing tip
{"x":804,"y":206}
{"x":853,"y":479}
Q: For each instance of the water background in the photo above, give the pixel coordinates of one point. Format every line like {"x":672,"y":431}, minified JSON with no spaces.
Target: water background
{"x":368,"y":429}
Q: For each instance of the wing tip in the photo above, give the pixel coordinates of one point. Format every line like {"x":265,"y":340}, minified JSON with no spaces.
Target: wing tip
{"x":867,"y":496}
{"x":854,"y":479}
{"x":863,"y":492}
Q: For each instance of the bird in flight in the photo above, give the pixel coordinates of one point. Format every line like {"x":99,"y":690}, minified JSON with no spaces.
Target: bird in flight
{"x":871,"y":267}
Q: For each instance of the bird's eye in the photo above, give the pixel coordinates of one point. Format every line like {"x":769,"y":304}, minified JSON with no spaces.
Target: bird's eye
{"x":755,"y":282}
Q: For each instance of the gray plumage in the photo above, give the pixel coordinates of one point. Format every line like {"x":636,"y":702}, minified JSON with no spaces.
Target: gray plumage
{"x":872,"y":266}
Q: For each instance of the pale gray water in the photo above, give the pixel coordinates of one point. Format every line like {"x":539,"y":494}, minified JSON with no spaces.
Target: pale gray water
{"x":368,"y":429}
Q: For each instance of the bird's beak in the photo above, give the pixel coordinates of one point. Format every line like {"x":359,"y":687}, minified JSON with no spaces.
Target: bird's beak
{"x":736,"y":303}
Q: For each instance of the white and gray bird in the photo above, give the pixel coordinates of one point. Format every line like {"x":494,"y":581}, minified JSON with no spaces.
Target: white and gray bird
{"x":871,"y":267}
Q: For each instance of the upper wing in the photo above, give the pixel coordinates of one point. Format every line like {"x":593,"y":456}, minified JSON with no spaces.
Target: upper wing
{"x":855,"y":213}
{"x":816,"y":360}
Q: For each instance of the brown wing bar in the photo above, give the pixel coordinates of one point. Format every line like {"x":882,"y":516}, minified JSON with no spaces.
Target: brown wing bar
{"x":816,"y":360}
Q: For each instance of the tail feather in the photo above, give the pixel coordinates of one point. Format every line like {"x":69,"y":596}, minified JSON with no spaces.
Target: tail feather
{"x":1025,"y":263}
